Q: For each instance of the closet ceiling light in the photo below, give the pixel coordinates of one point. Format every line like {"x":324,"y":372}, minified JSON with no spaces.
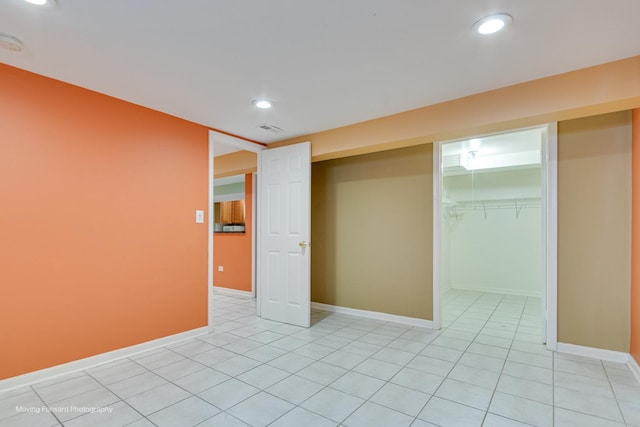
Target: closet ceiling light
{"x":493,"y":23}
{"x":37,"y":2}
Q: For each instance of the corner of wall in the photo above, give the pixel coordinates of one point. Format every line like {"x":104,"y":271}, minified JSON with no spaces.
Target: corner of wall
{"x":635,"y":238}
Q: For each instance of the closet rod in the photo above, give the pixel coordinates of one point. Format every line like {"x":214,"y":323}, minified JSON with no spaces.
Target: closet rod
{"x":516,"y":204}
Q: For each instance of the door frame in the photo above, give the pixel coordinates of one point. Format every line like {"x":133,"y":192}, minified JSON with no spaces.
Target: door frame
{"x":549,"y":198}
{"x":240,"y":144}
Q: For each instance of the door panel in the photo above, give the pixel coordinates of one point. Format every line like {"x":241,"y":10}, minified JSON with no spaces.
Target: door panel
{"x":284,"y":231}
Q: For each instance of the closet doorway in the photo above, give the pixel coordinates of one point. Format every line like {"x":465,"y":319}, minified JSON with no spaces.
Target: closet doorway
{"x":494,"y":244}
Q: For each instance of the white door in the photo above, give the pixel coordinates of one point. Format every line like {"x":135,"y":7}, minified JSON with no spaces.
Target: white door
{"x":284,"y":232}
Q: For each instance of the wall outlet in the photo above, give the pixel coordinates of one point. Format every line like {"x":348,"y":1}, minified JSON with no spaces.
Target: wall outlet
{"x":199,"y":216}
{"x":220,"y":268}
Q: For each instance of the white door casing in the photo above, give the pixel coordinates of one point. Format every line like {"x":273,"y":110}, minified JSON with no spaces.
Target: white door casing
{"x":549,"y":163}
{"x":284,"y":233}
{"x":216,"y":138}
{"x":550,"y":250}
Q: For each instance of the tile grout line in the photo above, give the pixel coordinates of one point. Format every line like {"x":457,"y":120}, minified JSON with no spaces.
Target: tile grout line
{"x":291,"y":374}
{"x":613,"y":391}
{"x":495,"y":309}
{"x":45,"y":404}
{"x":457,"y":360}
{"x":504,"y":363}
{"x":334,"y":328}
{"x":351,"y":370}
{"x":124,"y":400}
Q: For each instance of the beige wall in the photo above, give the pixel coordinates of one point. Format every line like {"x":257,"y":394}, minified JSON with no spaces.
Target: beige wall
{"x":594,"y":229}
{"x":588,"y":92}
{"x":371,"y":227}
{"x":601,"y":89}
{"x":238,"y":163}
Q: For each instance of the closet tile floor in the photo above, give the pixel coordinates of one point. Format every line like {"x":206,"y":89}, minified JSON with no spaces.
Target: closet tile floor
{"x":485,"y":367}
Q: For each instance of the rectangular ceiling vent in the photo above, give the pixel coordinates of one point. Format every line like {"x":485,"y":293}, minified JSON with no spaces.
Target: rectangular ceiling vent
{"x":271,"y":128}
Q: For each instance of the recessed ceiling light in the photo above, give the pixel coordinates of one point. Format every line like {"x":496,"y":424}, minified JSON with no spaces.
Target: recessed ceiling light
{"x":493,"y":23}
{"x":263,"y":103}
{"x":42,"y":3}
{"x":9,"y":42}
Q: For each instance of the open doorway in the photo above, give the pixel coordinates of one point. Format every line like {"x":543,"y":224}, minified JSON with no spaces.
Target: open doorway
{"x":220,"y":145}
{"x":494,"y":249}
{"x":233,"y":230}
{"x":283,"y":234}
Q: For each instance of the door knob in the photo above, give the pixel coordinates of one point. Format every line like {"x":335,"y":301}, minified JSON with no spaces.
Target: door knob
{"x":304,"y":244}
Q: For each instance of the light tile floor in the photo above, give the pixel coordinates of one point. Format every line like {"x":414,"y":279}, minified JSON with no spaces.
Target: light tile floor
{"x":485,"y":367}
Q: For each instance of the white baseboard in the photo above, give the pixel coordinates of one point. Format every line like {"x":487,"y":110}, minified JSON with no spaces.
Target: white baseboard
{"x":232,"y":292}
{"x":594,"y":353}
{"x":413,"y":321}
{"x":635,"y":368}
{"x":491,"y":290}
{"x":99,"y":359}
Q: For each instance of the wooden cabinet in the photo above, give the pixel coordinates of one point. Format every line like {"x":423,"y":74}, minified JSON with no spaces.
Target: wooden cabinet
{"x":231,"y":212}
{"x":237,"y":212}
{"x":226,"y":212}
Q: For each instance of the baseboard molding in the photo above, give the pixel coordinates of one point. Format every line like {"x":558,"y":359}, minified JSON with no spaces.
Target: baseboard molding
{"x":594,"y":353}
{"x":635,"y":368}
{"x":99,"y":359}
{"x":496,"y":291}
{"x":232,"y":292}
{"x":413,"y":321}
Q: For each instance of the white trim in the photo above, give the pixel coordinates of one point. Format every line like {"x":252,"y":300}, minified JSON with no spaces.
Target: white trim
{"x":497,"y":291}
{"x":635,"y":368}
{"x":550,"y":228}
{"x":99,"y":359}
{"x":413,"y":321}
{"x":254,"y":209}
{"x":437,"y":235}
{"x":256,"y":230}
{"x":210,"y":237}
{"x":550,"y":165}
{"x":217,"y":137}
{"x":232,"y":292}
{"x":594,"y":353}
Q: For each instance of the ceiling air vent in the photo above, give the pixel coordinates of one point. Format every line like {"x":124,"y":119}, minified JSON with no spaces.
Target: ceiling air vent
{"x":9,"y":42}
{"x":271,"y":128}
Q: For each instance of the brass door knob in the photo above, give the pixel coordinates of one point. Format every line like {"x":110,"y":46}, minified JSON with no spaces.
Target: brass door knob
{"x":304,"y":244}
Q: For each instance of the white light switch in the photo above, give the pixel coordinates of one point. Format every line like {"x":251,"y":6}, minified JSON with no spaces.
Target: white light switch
{"x":199,"y":216}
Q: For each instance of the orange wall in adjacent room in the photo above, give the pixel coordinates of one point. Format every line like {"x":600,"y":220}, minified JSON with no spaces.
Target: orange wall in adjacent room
{"x":233,"y":250}
{"x":635,"y":238}
{"x":99,"y":245}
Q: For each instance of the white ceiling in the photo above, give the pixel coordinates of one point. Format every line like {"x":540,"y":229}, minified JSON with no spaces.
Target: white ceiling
{"x":497,"y":144}
{"x":518,"y":149}
{"x":325,"y":63}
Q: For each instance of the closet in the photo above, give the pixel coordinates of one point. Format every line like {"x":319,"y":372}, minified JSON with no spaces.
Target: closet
{"x":492,"y":214}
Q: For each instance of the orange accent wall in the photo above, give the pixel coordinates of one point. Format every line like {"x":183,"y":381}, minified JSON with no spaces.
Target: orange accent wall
{"x":233,"y":250}
{"x":99,"y":246}
{"x":635,"y":237}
